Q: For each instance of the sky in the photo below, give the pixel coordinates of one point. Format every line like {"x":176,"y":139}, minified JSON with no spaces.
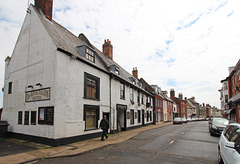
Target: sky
{"x":186,"y":45}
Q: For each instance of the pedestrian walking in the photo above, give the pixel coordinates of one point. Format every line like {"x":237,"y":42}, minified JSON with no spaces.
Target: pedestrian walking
{"x":104,"y":126}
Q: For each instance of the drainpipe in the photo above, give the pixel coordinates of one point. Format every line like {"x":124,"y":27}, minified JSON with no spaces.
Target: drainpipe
{"x":154,"y":111}
{"x":110,"y":102}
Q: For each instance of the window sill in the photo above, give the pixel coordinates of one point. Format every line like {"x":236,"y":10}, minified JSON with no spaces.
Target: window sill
{"x":90,"y":129}
{"x":89,"y":98}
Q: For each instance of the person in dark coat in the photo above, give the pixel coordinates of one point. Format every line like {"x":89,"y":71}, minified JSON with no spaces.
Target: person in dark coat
{"x":104,"y":126}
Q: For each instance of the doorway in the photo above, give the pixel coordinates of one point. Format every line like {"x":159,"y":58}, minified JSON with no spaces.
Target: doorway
{"x":108,"y":118}
{"x":121,"y":120}
{"x":159,"y":117}
{"x":143,"y":117}
{"x":107,"y":115}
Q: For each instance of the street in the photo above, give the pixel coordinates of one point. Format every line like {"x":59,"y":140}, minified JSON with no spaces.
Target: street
{"x":187,"y":144}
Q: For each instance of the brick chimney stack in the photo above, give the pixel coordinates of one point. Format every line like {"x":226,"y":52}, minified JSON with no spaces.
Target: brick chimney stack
{"x":172,"y":94}
{"x":46,"y":7}
{"x":135,"y":72}
{"x":107,"y":49}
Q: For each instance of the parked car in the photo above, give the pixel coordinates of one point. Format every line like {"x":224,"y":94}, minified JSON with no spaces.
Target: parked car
{"x":229,"y":145}
{"x":184,"y":120}
{"x":194,"y":119}
{"x":177,"y":120}
{"x":189,"y":119}
{"x":201,"y":119}
{"x":217,"y":125}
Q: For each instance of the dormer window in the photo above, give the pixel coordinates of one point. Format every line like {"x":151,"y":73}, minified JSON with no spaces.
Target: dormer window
{"x":90,"y":55}
{"x":117,"y":70}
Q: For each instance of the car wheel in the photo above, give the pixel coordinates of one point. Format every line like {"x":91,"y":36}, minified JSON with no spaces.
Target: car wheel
{"x":220,"y":161}
{"x":211,"y":133}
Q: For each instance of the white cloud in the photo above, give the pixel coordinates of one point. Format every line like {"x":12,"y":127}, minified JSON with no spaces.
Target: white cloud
{"x":189,"y":42}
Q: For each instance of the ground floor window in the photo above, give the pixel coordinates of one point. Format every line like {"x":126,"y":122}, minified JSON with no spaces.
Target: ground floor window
{"x":147,"y":116}
{"x":45,"y":115}
{"x":139,"y":116}
{"x":26,"y":118}
{"x":33,"y":117}
{"x":20,"y":117}
{"x":91,"y":117}
{"x":150,"y":115}
{"x":131,"y":116}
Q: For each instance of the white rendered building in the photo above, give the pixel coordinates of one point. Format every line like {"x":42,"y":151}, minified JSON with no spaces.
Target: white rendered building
{"x":58,"y":86}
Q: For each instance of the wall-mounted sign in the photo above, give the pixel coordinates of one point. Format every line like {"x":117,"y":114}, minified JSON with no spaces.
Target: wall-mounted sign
{"x":121,"y":107}
{"x":38,"y":95}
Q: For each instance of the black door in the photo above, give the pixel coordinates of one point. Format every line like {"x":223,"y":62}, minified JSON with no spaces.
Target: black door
{"x":143,"y":117}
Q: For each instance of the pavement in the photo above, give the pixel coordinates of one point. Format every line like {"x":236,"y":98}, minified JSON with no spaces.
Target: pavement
{"x":77,"y":148}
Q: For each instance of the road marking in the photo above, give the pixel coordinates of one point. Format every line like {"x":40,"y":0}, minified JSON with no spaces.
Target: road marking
{"x":171,"y":142}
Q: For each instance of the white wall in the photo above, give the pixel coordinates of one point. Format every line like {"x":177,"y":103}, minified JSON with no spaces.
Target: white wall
{"x":165,"y":114}
{"x":115,"y":92}
{"x":36,"y":60}
{"x":31,"y":63}
{"x":69,"y":106}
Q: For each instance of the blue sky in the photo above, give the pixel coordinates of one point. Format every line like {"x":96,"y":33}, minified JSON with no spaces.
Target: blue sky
{"x":186,"y":45}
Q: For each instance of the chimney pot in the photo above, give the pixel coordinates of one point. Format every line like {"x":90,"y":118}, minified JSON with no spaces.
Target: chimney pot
{"x":135,"y":72}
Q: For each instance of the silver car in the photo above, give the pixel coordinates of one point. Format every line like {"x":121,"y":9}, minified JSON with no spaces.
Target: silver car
{"x":177,"y":120}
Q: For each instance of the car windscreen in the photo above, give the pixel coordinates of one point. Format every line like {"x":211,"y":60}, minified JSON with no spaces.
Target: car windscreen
{"x":220,"y":121}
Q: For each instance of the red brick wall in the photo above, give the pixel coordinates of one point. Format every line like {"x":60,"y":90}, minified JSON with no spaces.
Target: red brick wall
{"x":108,"y":49}
{"x":235,"y":83}
{"x":183,"y":108}
{"x":158,"y":105}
